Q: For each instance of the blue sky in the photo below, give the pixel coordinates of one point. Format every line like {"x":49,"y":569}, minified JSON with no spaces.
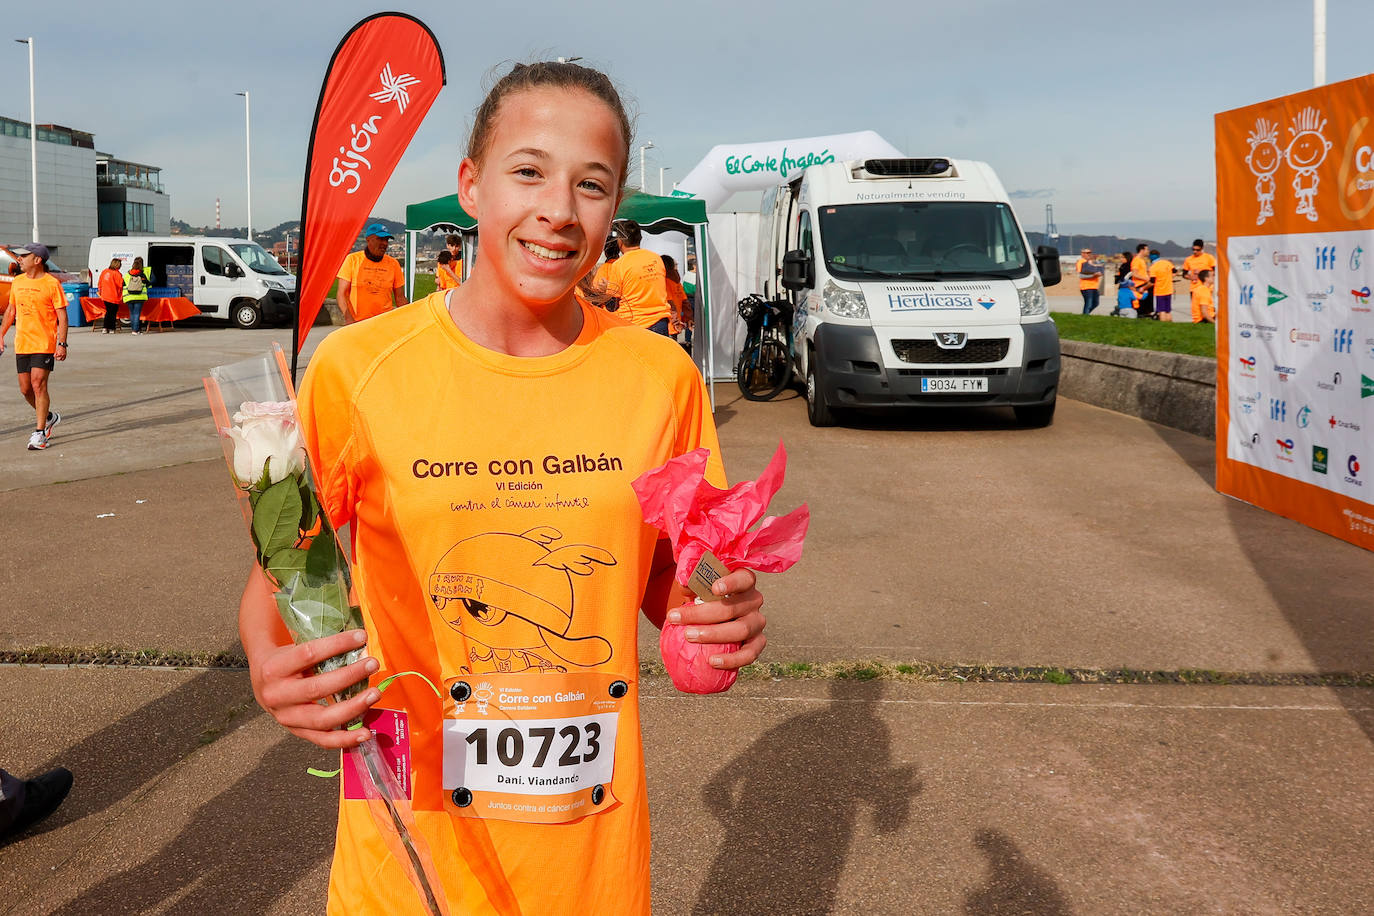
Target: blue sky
{"x":1106,"y":115}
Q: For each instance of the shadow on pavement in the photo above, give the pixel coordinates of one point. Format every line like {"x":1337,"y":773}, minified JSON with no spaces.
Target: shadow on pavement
{"x":789,"y":805}
{"x":240,"y":851}
{"x":1014,"y":886}
{"x":113,"y":762}
{"x":1327,"y":627}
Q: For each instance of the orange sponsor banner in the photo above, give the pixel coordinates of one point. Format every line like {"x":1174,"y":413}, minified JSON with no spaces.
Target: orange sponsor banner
{"x":1295,"y":327}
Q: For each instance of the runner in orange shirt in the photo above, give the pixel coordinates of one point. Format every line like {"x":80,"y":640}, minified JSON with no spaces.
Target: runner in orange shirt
{"x":38,"y":312}
{"x":1162,"y":282}
{"x":371,"y":281}
{"x":1140,"y":279}
{"x":1203,"y":298}
{"x":1193,"y":265}
{"x":638,"y":278}
{"x":481,"y":446}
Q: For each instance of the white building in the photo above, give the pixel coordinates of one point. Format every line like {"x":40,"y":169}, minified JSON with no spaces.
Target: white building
{"x":81,"y":193}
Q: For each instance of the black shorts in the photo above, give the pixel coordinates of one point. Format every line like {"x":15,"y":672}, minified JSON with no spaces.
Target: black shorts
{"x":27,"y":361}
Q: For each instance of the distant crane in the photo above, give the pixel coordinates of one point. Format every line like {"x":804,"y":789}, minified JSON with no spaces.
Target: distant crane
{"x":1051,"y":230}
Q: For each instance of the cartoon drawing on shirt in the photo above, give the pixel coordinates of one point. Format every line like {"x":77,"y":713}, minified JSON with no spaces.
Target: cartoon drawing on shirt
{"x":512,"y":597}
{"x":1306,"y":152}
{"x":1264,"y":159}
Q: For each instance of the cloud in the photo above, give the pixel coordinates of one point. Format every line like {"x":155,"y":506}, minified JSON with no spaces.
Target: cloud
{"x":1031,"y":193}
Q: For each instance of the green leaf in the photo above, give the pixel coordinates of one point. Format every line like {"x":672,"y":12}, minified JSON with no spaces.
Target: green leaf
{"x":276,"y":517}
{"x":310,"y":612}
{"x":323,"y":560}
{"x":310,"y":509}
{"x":284,"y":562}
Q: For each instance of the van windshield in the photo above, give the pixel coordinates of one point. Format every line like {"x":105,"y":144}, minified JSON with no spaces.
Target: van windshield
{"x":256,"y":258}
{"x":922,"y":240}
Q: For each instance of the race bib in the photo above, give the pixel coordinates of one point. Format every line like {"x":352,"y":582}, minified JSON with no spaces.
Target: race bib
{"x":528,"y":747}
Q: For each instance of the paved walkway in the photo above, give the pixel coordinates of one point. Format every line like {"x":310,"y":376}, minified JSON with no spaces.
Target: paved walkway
{"x":938,"y":538}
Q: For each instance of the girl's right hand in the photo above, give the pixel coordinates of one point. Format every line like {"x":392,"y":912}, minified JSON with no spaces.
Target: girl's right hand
{"x":284,"y":684}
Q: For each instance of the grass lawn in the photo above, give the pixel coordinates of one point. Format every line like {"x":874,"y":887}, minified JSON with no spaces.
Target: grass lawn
{"x":1167,"y":336}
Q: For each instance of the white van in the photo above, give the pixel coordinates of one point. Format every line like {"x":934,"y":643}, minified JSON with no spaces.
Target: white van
{"x":912,"y":284}
{"x":233,"y":279}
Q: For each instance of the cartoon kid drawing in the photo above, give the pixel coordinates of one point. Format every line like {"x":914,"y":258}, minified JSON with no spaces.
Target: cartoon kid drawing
{"x":511,"y":595}
{"x":1306,"y":151}
{"x":1264,"y":158}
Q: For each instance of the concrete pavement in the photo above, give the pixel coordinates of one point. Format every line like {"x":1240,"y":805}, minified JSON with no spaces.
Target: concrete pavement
{"x":939,"y":538}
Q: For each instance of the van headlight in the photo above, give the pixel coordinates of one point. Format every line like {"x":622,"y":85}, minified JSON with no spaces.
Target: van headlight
{"x":273,"y":284}
{"x":1033,"y":301}
{"x":843,"y":302}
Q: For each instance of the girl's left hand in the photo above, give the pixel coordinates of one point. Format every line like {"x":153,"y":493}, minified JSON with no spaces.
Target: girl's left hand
{"x":735,"y":616}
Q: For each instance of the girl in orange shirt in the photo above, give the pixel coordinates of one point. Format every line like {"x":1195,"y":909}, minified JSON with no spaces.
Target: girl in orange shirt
{"x":681,"y":318}
{"x":540,"y":392}
{"x":111,"y":287}
{"x":444,"y":277}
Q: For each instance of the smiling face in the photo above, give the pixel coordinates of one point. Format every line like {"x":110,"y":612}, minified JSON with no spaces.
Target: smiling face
{"x":1307,"y":150}
{"x":544,"y":192}
{"x":1264,"y":157}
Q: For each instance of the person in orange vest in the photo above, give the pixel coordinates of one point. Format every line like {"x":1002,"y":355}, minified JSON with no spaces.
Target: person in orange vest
{"x":1089,"y":280}
{"x":111,"y":289}
{"x":371,"y":281}
{"x":1193,"y":265}
{"x":1162,"y":282}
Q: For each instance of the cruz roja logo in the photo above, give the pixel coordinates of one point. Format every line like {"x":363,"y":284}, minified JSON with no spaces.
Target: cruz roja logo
{"x":1278,"y":410}
{"x":1326,"y":257}
{"x":1247,"y":294}
{"x":1304,"y":417}
{"x":1319,"y":458}
{"x":1276,"y":296}
{"x":1343,"y":340}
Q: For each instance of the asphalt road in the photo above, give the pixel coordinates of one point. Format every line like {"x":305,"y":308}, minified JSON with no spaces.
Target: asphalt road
{"x":942,"y":538}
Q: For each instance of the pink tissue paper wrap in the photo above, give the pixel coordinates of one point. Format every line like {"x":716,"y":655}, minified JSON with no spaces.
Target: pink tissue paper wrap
{"x":698,"y":517}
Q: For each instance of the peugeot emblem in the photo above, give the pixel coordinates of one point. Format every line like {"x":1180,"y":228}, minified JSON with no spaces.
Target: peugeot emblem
{"x":950,"y":340}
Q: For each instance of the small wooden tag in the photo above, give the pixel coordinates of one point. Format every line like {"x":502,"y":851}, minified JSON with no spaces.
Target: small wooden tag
{"x":708,"y":570}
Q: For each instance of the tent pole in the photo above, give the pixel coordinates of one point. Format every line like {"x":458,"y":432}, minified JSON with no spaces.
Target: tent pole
{"x":703,"y":316}
{"x":410,"y":264}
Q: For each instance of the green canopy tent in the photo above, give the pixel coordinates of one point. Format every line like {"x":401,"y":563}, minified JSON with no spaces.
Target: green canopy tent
{"x":653,"y":214}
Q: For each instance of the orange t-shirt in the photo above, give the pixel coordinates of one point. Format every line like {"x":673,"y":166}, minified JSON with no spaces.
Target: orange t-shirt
{"x":498,"y":543}
{"x":1093,"y":282}
{"x":446,"y":278}
{"x":680,"y":308}
{"x":373,"y":283}
{"x":36,"y":304}
{"x":1162,"y":270}
{"x":1202,"y":295}
{"x":1140,"y":273}
{"x":1196,"y":262}
{"x":638,"y":276}
{"x":111,"y":285}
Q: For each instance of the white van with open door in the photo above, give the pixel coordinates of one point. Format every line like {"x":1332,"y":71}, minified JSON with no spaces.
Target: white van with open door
{"x":912,"y":283}
{"x":233,"y":279}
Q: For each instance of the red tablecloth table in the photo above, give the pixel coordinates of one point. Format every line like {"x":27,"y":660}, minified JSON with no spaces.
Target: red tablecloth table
{"x":154,"y":310}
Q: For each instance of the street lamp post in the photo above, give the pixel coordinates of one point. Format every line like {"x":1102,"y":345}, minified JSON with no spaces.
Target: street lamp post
{"x":248,"y":156}
{"x":33,"y":137}
{"x":647,"y":146}
{"x":661,"y":170}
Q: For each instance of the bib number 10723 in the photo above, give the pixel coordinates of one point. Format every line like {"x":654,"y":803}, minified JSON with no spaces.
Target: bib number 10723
{"x":537,"y":746}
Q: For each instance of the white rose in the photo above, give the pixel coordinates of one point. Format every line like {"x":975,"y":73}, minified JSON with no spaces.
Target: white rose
{"x":265,"y":434}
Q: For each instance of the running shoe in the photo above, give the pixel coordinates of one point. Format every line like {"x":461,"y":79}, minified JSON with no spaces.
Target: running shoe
{"x":54,"y":418}
{"x":38,"y":440}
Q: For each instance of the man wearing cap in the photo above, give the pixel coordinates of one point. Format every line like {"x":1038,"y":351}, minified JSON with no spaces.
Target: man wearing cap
{"x":371,"y":281}
{"x":38,"y":311}
{"x":1089,"y":280}
{"x":638,"y":280}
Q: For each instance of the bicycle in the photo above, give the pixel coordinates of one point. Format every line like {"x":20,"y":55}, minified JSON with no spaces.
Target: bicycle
{"x":765,"y":363}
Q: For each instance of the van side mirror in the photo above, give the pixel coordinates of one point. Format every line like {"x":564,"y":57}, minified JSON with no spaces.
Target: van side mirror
{"x":796,"y":270}
{"x":233,"y":271}
{"x":1047,"y":262}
